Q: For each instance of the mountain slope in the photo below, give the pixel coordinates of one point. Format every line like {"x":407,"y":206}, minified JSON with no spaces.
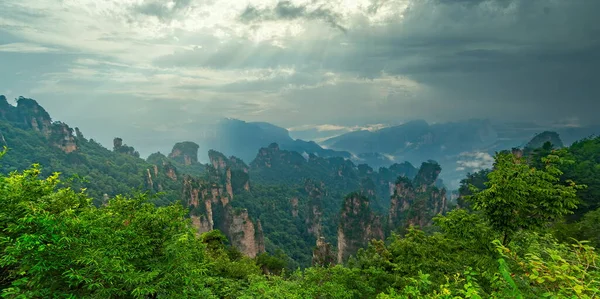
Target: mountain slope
{"x":243,"y":139}
{"x":31,"y":136}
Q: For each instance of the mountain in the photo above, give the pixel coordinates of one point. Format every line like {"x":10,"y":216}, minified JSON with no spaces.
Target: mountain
{"x":283,"y":200}
{"x":243,"y":139}
{"x":460,"y":147}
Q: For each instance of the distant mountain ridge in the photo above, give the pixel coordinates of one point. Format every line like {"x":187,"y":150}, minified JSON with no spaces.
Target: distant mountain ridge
{"x":243,"y":139}
{"x":460,"y":147}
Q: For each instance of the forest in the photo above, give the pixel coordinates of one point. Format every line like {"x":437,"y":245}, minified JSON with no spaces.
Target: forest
{"x":529,"y":232}
{"x":82,"y":221}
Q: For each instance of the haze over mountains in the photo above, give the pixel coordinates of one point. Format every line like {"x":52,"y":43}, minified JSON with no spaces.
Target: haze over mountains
{"x":459,"y":147}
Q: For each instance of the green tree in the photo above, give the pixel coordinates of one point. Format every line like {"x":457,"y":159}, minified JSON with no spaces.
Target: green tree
{"x":56,"y":244}
{"x":519,"y":196}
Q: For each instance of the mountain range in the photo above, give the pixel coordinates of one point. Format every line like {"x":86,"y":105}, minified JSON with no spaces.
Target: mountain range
{"x":459,"y":147}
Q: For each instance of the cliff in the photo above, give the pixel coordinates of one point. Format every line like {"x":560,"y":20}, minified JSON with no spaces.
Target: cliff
{"x":185,"y":153}
{"x":29,"y":115}
{"x":323,"y":254}
{"x":358,"y":225}
{"x":314,"y":217}
{"x":417,"y":201}
{"x":234,"y":171}
{"x":61,"y":136}
{"x":244,"y":234}
{"x":210,"y":209}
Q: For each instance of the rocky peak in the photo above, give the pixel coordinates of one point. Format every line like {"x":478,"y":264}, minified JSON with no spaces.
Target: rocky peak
{"x":273,"y":157}
{"x":29,"y":114}
{"x":428,"y":174}
{"x":234,"y":171}
{"x":358,"y":225}
{"x":244,"y":234}
{"x":416,"y":202}
{"x":220,"y":162}
{"x":61,"y":136}
{"x":78,"y":134}
{"x":323,"y":254}
{"x":119,"y":147}
{"x":316,"y":192}
{"x":210,"y":209}
{"x":185,"y":153}
{"x":161,"y":167}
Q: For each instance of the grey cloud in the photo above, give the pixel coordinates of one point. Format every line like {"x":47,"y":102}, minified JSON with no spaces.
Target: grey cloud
{"x":160,"y":9}
{"x":506,"y":59}
{"x":286,"y":10}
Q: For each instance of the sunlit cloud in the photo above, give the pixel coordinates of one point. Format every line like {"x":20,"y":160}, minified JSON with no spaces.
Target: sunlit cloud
{"x":331,"y":66}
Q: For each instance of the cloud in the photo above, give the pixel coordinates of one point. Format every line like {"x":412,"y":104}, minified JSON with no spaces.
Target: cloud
{"x":333,"y":64}
{"x":163,"y":10}
{"x":474,"y":161}
{"x":26,"y":48}
{"x":286,"y":10}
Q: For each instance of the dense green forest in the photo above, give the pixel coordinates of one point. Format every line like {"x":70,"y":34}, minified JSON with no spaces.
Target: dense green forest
{"x":507,"y":244}
{"x":82,"y":221}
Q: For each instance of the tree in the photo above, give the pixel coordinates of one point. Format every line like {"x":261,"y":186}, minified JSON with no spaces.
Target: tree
{"x":56,"y":244}
{"x":519,"y":196}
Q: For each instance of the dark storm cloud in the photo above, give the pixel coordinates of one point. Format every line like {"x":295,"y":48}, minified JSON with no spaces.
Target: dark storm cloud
{"x":506,"y":59}
{"x":286,"y":10}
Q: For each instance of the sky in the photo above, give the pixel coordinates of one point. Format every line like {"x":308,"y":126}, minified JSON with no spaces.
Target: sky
{"x":146,"y":68}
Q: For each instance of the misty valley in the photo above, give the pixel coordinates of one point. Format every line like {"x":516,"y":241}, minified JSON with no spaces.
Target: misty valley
{"x":299,"y":149}
{"x":81,"y":220}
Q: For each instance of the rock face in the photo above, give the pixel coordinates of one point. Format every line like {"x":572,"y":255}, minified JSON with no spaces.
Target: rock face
{"x":417,"y":201}
{"x":323,"y":254}
{"x":233,"y":170}
{"x":358,"y":225}
{"x":275,"y":166}
{"x":61,"y":136}
{"x":314,"y":216}
{"x":33,"y":115}
{"x":209,"y":198}
{"x":185,"y":153}
{"x":210,"y":209}
{"x":28,"y":114}
{"x":243,"y":235}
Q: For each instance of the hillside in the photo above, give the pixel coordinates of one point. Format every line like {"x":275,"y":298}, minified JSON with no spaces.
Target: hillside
{"x":58,"y":244}
{"x":269,"y":205}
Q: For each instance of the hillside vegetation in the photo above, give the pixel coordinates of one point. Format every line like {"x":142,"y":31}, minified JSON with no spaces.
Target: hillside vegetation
{"x":82,"y":221}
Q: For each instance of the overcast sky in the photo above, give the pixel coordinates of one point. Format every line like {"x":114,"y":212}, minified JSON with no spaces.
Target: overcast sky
{"x":124,"y":67}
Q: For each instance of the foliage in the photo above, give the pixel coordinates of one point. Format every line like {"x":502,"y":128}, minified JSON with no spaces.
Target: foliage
{"x":93,"y":167}
{"x":522,"y":197}
{"x":585,"y":170}
{"x":56,"y":244}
